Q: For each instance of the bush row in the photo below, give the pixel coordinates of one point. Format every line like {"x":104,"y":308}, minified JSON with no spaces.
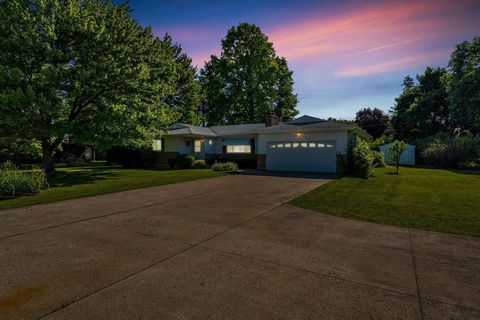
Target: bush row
{"x":14,"y":182}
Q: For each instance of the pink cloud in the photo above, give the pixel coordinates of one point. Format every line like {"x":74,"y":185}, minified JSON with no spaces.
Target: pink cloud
{"x":393,"y":64}
{"x":391,"y":34}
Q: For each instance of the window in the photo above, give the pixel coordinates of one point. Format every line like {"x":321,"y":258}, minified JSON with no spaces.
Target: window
{"x":329,"y":145}
{"x":304,"y":144}
{"x":157,"y":145}
{"x":280,"y":145}
{"x":312,"y":145}
{"x":321,"y":145}
{"x":239,"y":149}
{"x":295,"y":144}
{"x":198,"y":145}
{"x":288,"y":145}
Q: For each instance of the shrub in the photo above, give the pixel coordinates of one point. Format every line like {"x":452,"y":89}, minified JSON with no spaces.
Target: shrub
{"x":225,"y":166}
{"x":185,"y":162}
{"x":199,"y":164}
{"x":451,"y":151}
{"x":362,"y":158}
{"x":242,"y":160}
{"x":378,"y":159}
{"x":128,"y":157}
{"x":172,"y":162}
{"x":14,"y":181}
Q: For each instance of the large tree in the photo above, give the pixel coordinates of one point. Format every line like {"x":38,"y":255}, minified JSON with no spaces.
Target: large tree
{"x":83,"y":68}
{"x":374,"y":121}
{"x":186,"y":98}
{"x":248,"y":80}
{"x":464,"y":86}
{"x":422,"y":109}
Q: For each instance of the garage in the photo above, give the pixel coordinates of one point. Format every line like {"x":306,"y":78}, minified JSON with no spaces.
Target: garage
{"x":313,"y":156}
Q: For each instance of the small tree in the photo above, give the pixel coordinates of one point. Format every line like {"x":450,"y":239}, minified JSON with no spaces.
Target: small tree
{"x":395,"y":151}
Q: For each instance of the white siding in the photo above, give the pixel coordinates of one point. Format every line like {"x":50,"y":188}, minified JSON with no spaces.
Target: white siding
{"x":339,"y":137}
{"x":407,"y":156}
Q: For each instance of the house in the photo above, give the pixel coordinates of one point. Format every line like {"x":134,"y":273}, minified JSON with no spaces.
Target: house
{"x":407,"y":156}
{"x":306,"y":144}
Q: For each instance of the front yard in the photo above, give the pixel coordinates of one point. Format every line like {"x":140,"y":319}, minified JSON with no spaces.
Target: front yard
{"x":428,"y":199}
{"x":90,"y":180}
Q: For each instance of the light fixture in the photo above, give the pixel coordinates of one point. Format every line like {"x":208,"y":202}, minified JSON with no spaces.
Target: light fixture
{"x":298,"y":134}
{"x":210,"y":142}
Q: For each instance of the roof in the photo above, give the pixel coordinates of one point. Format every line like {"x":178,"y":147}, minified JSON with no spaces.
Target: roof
{"x":188,"y":129}
{"x":231,"y":130}
{"x":305,"y":123}
{"x":305,"y":120}
{"x":316,"y":126}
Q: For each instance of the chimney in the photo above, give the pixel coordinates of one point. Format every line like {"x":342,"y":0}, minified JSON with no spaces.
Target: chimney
{"x":271,"y":120}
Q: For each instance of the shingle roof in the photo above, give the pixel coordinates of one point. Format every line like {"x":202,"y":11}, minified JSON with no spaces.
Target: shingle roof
{"x":304,"y":123}
{"x":231,"y":130}
{"x":187,"y":129}
{"x":305,"y":120}
{"x":318,"y":126}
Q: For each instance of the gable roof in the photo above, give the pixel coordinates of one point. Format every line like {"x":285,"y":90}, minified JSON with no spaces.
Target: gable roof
{"x":187,"y":129}
{"x":231,"y":130}
{"x":303,"y":123}
{"x":305,"y":120}
{"x":316,"y":126}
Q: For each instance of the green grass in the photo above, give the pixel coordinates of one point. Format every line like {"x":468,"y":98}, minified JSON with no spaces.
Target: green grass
{"x":428,"y":199}
{"x":84,"y":181}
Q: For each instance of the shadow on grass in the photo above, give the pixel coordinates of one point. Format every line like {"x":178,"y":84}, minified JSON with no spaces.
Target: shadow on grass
{"x":64,"y":178}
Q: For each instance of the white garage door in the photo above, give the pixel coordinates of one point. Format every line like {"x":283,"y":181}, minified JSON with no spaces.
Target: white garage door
{"x":315,"y":156}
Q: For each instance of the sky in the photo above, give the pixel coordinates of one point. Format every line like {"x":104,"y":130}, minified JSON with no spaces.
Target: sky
{"x":345,"y":55}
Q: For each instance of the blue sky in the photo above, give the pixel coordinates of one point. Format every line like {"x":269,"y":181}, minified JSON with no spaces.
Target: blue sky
{"x":345,"y":54}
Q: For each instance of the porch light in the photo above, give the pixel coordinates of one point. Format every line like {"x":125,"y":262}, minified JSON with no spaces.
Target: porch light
{"x":299,"y":134}
{"x":210,"y":142}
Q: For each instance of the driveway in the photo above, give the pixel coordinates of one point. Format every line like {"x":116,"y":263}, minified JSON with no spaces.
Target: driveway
{"x":226,"y":248}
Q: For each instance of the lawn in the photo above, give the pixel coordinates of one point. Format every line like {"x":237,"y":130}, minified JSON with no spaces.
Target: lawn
{"x":84,"y":181}
{"x":428,"y":199}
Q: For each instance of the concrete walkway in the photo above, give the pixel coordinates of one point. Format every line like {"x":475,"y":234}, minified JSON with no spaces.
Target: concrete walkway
{"x":226,"y":248}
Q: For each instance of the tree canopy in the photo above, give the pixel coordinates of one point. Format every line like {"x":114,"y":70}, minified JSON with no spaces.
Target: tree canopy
{"x":374,"y":121}
{"x":441,"y":100}
{"x":464,"y":86}
{"x":248,"y":80}
{"x":85,"y":68}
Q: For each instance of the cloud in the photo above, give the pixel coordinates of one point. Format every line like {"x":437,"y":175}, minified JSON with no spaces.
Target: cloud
{"x":389,"y":34}
{"x":394,"y":64}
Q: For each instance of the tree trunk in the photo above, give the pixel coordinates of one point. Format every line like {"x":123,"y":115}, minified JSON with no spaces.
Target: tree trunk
{"x":47,"y":156}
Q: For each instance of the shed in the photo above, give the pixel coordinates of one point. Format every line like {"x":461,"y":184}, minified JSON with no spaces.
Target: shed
{"x":407,"y":157}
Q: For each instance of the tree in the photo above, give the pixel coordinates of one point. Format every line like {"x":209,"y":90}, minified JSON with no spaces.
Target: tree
{"x":82,"y":68}
{"x":464,"y":86}
{"x":395,"y":150}
{"x":186,"y":98}
{"x":248,"y":80}
{"x":374,"y":121}
{"x":400,"y":115}
{"x":422,"y":109}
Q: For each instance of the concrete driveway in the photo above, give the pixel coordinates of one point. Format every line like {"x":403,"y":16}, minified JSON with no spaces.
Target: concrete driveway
{"x":226,"y":248}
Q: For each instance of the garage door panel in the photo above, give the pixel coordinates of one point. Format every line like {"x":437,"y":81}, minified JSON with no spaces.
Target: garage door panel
{"x":313,"y":156}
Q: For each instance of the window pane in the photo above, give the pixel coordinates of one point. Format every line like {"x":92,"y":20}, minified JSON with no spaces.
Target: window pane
{"x":288,"y":145}
{"x":321,"y":145}
{"x":312,"y":144}
{"x":304,"y":144}
{"x":280,"y":145}
{"x":295,"y":144}
{"x":198,"y":146}
{"x":157,"y":145}
{"x":239,"y":149}
{"x":273,"y":146}
{"x":329,"y":146}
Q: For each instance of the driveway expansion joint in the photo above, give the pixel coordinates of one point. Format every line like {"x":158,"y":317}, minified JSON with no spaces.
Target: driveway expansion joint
{"x":420,"y":305}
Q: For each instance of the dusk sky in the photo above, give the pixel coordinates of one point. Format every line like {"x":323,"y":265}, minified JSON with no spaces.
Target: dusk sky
{"x":345,"y":54}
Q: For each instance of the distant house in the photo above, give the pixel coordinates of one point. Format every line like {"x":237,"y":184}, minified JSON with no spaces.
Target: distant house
{"x":407,"y":157}
{"x":306,"y":144}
